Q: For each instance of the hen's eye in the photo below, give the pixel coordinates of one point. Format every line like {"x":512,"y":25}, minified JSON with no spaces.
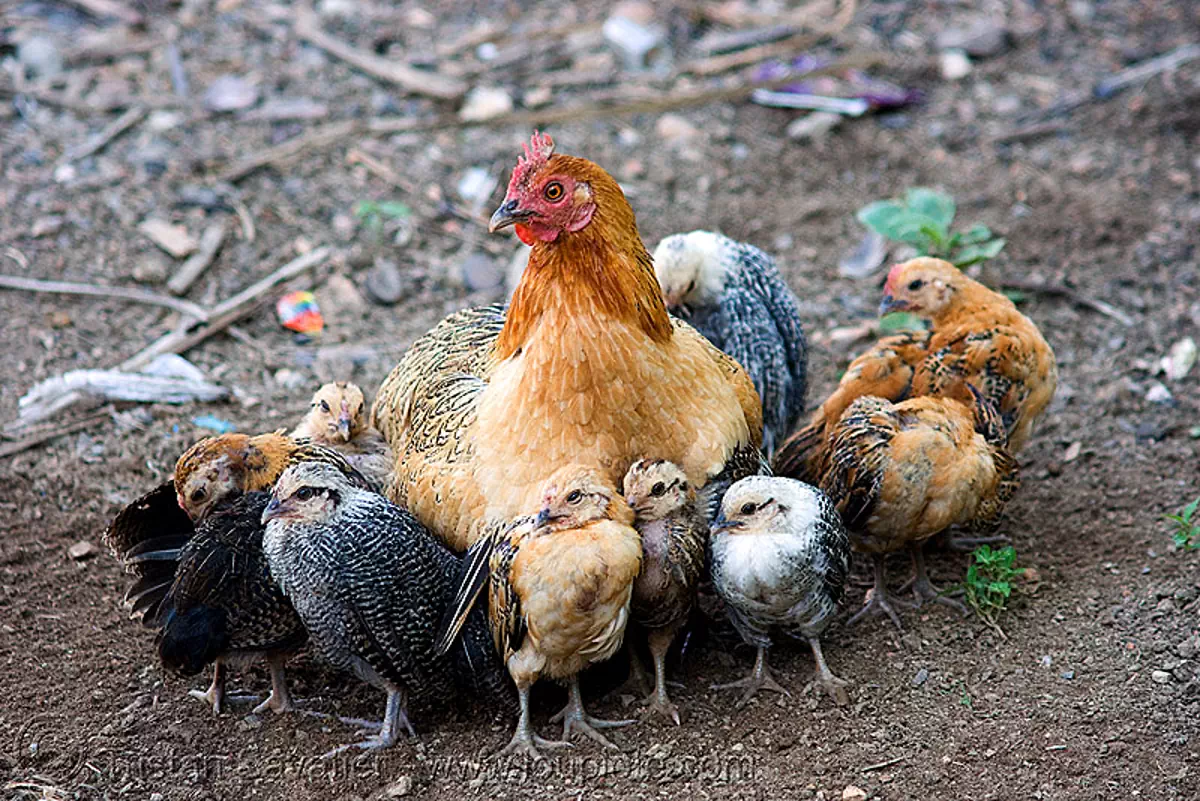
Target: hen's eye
{"x":305,"y":493}
{"x":198,"y":495}
{"x":324,"y":406}
{"x":575,"y":497}
{"x":913,"y":286}
{"x":658,"y":489}
{"x":749,"y":508}
{"x":553,"y":191}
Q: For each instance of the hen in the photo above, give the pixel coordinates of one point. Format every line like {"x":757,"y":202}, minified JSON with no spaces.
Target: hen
{"x":901,"y":473}
{"x":371,"y":585}
{"x":674,"y":536}
{"x":780,"y":556}
{"x":977,"y":335}
{"x":559,"y":593}
{"x":223,"y":608}
{"x":733,"y":294}
{"x":584,"y":364}
{"x":337,"y":419}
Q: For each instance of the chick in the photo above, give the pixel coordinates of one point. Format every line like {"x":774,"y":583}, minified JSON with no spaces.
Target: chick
{"x":337,"y":419}
{"x":559,"y":591}
{"x":733,"y":294}
{"x":780,"y":555}
{"x":370,"y":584}
{"x":674,"y":534}
{"x":223,"y":607}
{"x":900,"y":473}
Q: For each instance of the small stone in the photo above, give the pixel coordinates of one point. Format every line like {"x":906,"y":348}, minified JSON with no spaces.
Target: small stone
{"x":636,"y":43}
{"x":289,"y":378}
{"x":385,"y":283}
{"x":1158,"y":393}
{"x":537,"y":97}
{"x":476,"y":185}
{"x":230,"y":93}
{"x":479,"y":272}
{"x":1047,"y":661}
{"x":1160,"y":676}
{"x":81,"y":550}
{"x":174,"y":239}
{"x":1067,"y":675}
{"x":1186,"y":649}
{"x":954,"y":65}
{"x":921,"y":677}
{"x":485,"y":103}
{"x":981,"y":40}
{"x":250,"y":723}
{"x":852,"y":793}
{"x":59,"y":319}
{"x":156,"y":797}
{"x":400,"y":788}
{"x":675,"y":129}
{"x":46,"y":226}
{"x":1179,"y":360}
{"x":151,"y":269}
{"x":812,"y":126}
{"x":1073,"y":451}
{"x":161,"y":121}
{"x":340,"y":299}
{"x":40,"y":57}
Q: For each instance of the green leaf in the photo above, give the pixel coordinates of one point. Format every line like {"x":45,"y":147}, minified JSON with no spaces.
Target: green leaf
{"x":975,"y":234}
{"x":914,"y":228}
{"x":972,"y":254}
{"x":938,"y":206}
{"x":1015,"y":295}
{"x":900,"y":321}
{"x":1189,"y":510}
{"x":394,"y":209}
{"x":880,"y":216}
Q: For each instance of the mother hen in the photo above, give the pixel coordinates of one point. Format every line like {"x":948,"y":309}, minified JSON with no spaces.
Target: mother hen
{"x":585,"y":366}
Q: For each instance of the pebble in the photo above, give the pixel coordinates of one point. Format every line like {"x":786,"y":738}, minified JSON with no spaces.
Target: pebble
{"x":230,"y":93}
{"x":174,"y":239}
{"x":1067,"y":674}
{"x":537,"y":97}
{"x":161,"y":121}
{"x":340,"y":298}
{"x":289,"y":378}
{"x":479,"y":272}
{"x":81,"y":550}
{"x":1179,"y":360}
{"x":399,"y":788}
{"x":476,"y":185}
{"x":675,"y":129}
{"x":921,"y":677}
{"x":954,"y":65}
{"x":813,"y":126}
{"x":385,"y":283}
{"x":853,"y":793}
{"x":46,"y":226}
{"x":1160,"y":676}
{"x":637,"y":43}
{"x":1158,"y":393}
{"x":981,"y":40}
{"x":151,"y":269}
{"x":485,"y":103}
{"x":40,"y":57}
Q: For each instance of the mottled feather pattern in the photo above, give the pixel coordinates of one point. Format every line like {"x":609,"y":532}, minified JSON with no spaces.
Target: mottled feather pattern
{"x":664,"y":601}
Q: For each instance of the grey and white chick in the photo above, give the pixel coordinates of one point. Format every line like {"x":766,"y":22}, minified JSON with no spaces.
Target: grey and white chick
{"x":733,"y":294}
{"x":337,"y":419}
{"x":674,"y":536}
{"x":371,"y":585}
{"x":780,"y":557}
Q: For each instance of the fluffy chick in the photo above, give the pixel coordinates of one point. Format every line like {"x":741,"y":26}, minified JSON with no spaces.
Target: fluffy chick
{"x":559,"y":591}
{"x":337,"y":419}
{"x":674,"y":534}
{"x":903,"y":472}
{"x":370,"y":584}
{"x":733,"y":294}
{"x":780,"y":556}
{"x":223,"y":607}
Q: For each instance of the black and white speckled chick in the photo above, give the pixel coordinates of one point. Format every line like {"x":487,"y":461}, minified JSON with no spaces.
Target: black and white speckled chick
{"x":780,"y":556}
{"x":224,"y":608}
{"x":371,"y":585}
{"x":674,"y":534}
{"x":733,"y":294}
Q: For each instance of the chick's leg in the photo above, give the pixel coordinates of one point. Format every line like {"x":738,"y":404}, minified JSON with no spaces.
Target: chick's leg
{"x":524,"y":742}
{"x":878,"y":601}
{"x":280,"y":700}
{"x":759,"y":679}
{"x":833,"y":685}
{"x":395,"y":716}
{"x":923,"y":588}
{"x":215,"y":696}
{"x":660,"y":642}
{"x":574,"y":716}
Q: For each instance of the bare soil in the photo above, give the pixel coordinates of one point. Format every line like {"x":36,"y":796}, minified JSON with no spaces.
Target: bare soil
{"x":1092,"y":692}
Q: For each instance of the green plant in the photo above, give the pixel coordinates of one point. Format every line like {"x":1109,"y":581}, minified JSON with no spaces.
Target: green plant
{"x":374,"y":213}
{"x":922,"y":219}
{"x":1187,"y":527}
{"x":989,"y":582}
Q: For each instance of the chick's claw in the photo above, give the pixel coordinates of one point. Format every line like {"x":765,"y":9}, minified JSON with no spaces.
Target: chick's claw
{"x":575,"y":717}
{"x":759,"y":679}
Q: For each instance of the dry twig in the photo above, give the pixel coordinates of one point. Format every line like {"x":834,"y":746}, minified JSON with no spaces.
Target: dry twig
{"x":99,"y":141}
{"x":124,"y":293}
{"x":109,"y":8}
{"x":61,"y":429}
{"x":210,"y":243}
{"x":1099,"y":306}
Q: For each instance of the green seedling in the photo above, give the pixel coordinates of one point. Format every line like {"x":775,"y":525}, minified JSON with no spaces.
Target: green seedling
{"x":990,"y":582}
{"x":1187,"y":527}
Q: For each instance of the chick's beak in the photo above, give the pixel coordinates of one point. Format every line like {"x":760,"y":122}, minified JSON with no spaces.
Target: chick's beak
{"x":343,"y":423}
{"x":273,"y":510}
{"x":508,"y":214}
{"x":722,"y":524}
{"x":891,"y":304}
{"x":543,"y":517}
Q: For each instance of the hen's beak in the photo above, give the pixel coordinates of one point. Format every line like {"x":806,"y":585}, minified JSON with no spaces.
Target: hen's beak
{"x":274,"y":509}
{"x":508,"y":214}
{"x":891,"y":304}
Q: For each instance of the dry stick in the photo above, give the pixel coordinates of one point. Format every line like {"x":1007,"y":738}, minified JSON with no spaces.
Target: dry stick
{"x":210,"y":243}
{"x":882,"y":765}
{"x":793,"y":44}
{"x":109,"y":8}
{"x":110,"y":132}
{"x":136,"y":295}
{"x":318,"y":137}
{"x":13,"y":448}
{"x":1080,"y":300}
{"x":416,"y":81}
{"x":379,"y":169}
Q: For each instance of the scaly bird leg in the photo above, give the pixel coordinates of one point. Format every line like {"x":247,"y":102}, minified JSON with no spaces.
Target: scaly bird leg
{"x":215,"y":697}
{"x":877,"y":597}
{"x":660,"y":642}
{"x":280,"y":700}
{"x":574,"y":716}
{"x":923,"y":588}
{"x":524,"y":742}
{"x":833,"y":685}
{"x":759,"y":679}
{"x":395,"y":716}
{"x":639,"y":679}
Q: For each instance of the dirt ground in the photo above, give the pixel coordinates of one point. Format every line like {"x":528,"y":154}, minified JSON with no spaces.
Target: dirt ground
{"x":1093,"y":694}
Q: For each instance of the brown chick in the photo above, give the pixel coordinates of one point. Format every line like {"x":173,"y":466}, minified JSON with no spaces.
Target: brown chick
{"x":977,"y":335}
{"x":674,"y":534}
{"x":337,"y":419}
{"x":559,"y":593}
{"x":901,"y":473}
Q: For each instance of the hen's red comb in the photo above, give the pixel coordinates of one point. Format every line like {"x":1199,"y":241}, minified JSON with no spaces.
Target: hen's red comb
{"x":537,"y":152}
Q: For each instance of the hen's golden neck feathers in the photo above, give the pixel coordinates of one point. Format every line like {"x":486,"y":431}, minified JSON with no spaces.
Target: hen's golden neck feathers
{"x":603,"y":268}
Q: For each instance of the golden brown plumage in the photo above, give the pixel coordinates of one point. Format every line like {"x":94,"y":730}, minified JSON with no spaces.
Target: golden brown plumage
{"x":674,"y":534}
{"x":585,"y":365}
{"x":337,"y":419}
{"x":900,"y":473}
{"x":977,"y":335}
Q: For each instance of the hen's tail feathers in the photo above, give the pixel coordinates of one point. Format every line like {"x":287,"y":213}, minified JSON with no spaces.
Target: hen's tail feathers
{"x":472,"y":577}
{"x":193,"y":639}
{"x":801,"y":454}
{"x":858,"y":457}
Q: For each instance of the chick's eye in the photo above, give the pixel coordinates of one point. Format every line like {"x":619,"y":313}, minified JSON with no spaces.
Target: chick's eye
{"x":198,"y":495}
{"x":575,"y":497}
{"x":553,"y":191}
{"x":749,"y":508}
{"x":913,"y":286}
{"x":658,"y":489}
{"x":324,"y":406}
{"x":305,"y":493}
